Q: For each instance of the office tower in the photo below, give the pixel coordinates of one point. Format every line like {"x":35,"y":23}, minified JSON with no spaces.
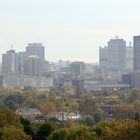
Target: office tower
{"x":129,"y":57}
{"x":136,"y":44}
{"x":33,"y":64}
{"x":9,"y":62}
{"x":77,"y":68}
{"x":103,"y":61}
{"x":135,"y":79}
{"x":103,"y":57}
{"x":117,"y":54}
{"x":135,"y":75}
{"x":36,"y":49}
{"x":22,"y":57}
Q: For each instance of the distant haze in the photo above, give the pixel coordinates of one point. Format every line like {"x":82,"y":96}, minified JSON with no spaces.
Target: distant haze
{"x":70,"y":29}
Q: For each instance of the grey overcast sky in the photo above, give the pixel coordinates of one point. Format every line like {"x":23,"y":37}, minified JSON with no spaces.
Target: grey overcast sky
{"x":70,"y":29}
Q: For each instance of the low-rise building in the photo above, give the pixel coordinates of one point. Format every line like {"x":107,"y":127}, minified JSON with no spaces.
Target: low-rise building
{"x":105,"y":86}
{"x":28,"y":112}
{"x":27,"y":81}
{"x":66,"y":116}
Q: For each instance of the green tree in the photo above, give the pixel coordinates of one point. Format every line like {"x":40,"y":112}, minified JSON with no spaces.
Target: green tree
{"x":60,"y":134}
{"x":125,"y":111}
{"x":135,"y":95}
{"x":89,"y":120}
{"x":81,"y":133}
{"x":11,"y":105}
{"x":8,"y":117}
{"x":27,"y":126}
{"x":98,"y":115}
{"x":13,"y":133}
{"x":47,"y":128}
{"x":89,"y":104}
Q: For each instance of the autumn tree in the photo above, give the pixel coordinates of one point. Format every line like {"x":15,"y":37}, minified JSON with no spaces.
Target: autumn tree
{"x":47,"y":128}
{"x":8,"y":117}
{"x":125,"y":111}
{"x":48,"y":107}
{"x":12,"y":133}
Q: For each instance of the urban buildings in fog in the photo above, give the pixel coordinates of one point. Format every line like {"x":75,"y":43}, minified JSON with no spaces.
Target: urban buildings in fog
{"x":114,"y":55}
{"x":135,"y":75}
{"x":133,"y":78}
{"x":121,"y":60}
{"x":119,"y":68}
{"x":116,"y":58}
{"x":25,"y":68}
{"x":31,"y":62}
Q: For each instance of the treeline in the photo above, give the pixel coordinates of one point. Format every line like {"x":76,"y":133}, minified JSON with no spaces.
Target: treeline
{"x":14,"y":127}
{"x":119,"y":130}
{"x":61,"y":99}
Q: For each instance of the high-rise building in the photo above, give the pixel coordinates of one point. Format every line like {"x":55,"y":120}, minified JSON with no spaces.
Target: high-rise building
{"x":135,"y":79}
{"x":103,"y":61}
{"x":129,"y":57}
{"x":33,"y":65}
{"x":9,"y":62}
{"x":22,"y":57}
{"x":36,"y":49}
{"x":136,"y":44}
{"x":117,"y":54}
{"x":103,"y":57}
{"x":135,"y":75}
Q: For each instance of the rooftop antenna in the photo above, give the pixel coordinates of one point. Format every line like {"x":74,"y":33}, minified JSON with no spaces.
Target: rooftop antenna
{"x":117,"y":37}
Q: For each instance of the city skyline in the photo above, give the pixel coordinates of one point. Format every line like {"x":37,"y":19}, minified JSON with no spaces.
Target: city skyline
{"x":70,"y":30}
{"x":11,"y":47}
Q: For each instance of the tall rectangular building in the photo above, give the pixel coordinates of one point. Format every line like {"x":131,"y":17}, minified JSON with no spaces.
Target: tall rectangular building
{"x":33,"y":66}
{"x":36,"y":49}
{"x":129,"y":57}
{"x":103,"y":57}
{"x":136,"y":52}
{"x":9,"y":62}
{"x":117,"y":53}
{"x":22,"y":58}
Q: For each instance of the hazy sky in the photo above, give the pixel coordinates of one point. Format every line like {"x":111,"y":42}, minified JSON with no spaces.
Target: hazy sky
{"x":70,"y":29}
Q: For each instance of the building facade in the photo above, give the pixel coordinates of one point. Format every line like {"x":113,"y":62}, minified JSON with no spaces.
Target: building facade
{"x":103,"y":57}
{"x":136,"y":44}
{"x":27,"y":81}
{"x":77,"y":68}
{"x":129,"y":57}
{"x":22,"y":58}
{"x":33,"y":65}
{"x":9,"y":62}
{"x":36,"y":49}
{"x":117,"y":54}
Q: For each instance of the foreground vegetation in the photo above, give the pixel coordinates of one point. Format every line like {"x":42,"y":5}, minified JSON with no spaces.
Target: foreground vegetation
{"x":126,"y":125}
{"x":61,"y":99}
{"x":14,"y":127}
